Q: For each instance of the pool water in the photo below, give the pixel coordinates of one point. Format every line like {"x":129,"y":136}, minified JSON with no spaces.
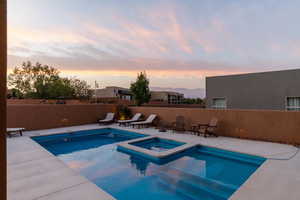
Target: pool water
{"x":204,"y":173}
{"x":157,"y":144}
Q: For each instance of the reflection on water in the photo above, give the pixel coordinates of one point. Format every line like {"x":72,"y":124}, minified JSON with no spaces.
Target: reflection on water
{"x":122,"y":175}
{"x":140,"y":165}
{"x":194,"y":175}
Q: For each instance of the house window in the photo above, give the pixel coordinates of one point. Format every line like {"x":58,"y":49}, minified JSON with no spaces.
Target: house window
{"x":219,"y":103}
{"x":293,"y":103}
{"x":127,"y":97}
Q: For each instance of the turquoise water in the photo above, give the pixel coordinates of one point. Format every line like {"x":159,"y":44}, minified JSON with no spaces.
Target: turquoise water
{"x":157,"y":144}
{"x":203,"y":173}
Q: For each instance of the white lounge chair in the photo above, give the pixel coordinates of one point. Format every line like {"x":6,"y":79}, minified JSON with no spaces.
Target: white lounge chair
{"x":12,"y":131}
{"x":108,"y":119}
{"x":146,"y":123}
{"x":135,"y":118}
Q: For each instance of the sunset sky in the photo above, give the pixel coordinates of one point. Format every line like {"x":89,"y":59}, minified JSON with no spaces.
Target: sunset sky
{"x":177,"y":42}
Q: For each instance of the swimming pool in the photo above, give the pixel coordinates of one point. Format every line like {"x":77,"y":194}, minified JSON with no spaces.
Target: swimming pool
{"x":203,"y":173}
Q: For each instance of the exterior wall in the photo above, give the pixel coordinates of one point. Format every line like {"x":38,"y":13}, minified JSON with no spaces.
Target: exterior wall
{"x":274,"y":126}
{"x":34,"y":117}
{"x":44,"y":101}
{"x":113,"y":92}
{"x":111,"y":101}
{"x":159,"y":96}
{"x":266,"y":90}
{"x":106,"y":92}
{"x":3,"y":73}
{"x":162,"y":104}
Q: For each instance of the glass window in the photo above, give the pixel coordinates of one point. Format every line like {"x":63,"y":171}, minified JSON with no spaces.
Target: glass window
{"x":219,"y":103}
{"x":293,"y":103}
{"x":127,"y":97}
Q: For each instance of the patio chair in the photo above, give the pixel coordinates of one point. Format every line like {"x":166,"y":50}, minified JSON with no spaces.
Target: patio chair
{"x":179,"y":124}
{"x":208,"y":129}
{"x":135,"y":118}
{"x":149,"y":121}
{"x":108,"y":119}
{"x":13,"y":131}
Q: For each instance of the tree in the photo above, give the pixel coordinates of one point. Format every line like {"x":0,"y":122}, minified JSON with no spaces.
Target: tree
{"x":43,"y":82}
{"x":32,"y":80}
{"x":140,"y":89}
{"x":81,"y":89}
{"x":59,"y":89}
{"x":15,"y":94}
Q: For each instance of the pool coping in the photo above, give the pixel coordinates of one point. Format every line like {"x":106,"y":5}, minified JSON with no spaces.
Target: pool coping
{"x":33,"y":153}
{"x":155,"y":154}
{"x":49,"y":178}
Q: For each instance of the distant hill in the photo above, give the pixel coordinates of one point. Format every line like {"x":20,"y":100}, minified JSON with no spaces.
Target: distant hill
{"x":190,"y":93}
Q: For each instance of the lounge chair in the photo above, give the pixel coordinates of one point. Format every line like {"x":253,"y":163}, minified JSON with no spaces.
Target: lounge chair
{"x":208,"y":129}
{"x":108,"y":119}
{"x":145,"y":123}
{"x":179,"y":124}
{"x":13,"y":131}
{"x":135,"y":118}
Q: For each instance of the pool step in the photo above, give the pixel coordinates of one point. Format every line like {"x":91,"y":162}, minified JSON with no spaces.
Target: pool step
{"x":197,"y":185}
{"x":185,"y":192}
{"x":253,"y":160}
{"x":188,"y":190}
{"x":229,"y":188}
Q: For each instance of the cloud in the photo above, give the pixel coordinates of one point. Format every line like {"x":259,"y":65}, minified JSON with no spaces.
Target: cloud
{"x":161,"y":37}
{"x":90,"y":58}
{"x":18,"y":36}
{"x":167,"y":38}
{"x":176,"y":32}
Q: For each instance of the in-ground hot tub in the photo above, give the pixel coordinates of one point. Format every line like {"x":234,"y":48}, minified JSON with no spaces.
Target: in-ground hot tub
{"x":157,"y":144}
{"x":156,"y":149}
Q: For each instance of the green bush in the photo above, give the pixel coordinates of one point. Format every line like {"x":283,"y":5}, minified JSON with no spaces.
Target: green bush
{"x":123,"y":112}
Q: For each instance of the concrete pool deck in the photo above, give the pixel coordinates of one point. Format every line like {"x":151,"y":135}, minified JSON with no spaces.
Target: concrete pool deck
{"x":36,"y":174}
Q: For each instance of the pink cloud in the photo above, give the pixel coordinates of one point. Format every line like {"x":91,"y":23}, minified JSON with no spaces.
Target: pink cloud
{"x":177,"y":33}
{"x":19,"y":36}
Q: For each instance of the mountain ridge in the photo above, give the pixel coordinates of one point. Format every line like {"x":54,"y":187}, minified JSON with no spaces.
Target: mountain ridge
{"x":188,"y":93}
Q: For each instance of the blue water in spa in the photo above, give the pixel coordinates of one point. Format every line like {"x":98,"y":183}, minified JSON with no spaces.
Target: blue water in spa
{"x":157,"y":144}
{"x":205,"y":173}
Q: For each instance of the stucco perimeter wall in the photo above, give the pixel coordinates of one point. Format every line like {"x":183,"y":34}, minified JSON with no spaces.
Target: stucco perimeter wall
{"x":34,"y":117}
{"x":275,"y":126}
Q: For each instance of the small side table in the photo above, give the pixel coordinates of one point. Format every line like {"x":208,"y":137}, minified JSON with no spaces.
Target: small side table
{"x":162,"y":126}
{"x":194,"y":129}
{"x":13,"y":131}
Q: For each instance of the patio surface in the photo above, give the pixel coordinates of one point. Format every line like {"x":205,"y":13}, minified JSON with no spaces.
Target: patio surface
{"x":36,"y":174}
